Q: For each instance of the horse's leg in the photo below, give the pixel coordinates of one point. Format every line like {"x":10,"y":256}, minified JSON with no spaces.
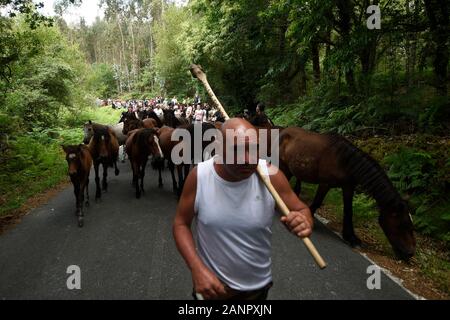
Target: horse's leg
{"x":288,"y":174}
{"x":180,"y":179}
{"x":172,"y":173}
{"x":160,"y":167}
{"x":348,"y":232}
{"x":321,"y":192}
{"x":76,"y":191}
{"x":116,"y":170}
{"x":144,"y":164}
{"x":124,"y":152}
{"x":87,"y":192}
{"x":98,"y":191}
{"x":81,"y":213}
{"x":105,"y":176}
{"x":136,"y":167}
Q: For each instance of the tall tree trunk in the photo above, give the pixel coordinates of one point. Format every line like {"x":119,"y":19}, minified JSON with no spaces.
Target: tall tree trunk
{"x":315,"y":61}
{"x":302,"y":73}
{"x":345,"y":8}
{"x":124,"y":60}
{"x":134,"y":66}
{"x":437,"y":13}
{"x":410,"y":47}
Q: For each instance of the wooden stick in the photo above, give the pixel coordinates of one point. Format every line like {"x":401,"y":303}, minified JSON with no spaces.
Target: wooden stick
{"x":198,"y":73}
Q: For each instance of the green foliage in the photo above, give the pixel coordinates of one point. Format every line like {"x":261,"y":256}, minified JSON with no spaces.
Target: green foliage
{"x":388,"y":110}
{"x":173,"y":56}
{"x":46,"y":78}
{"x":28,"y":10}
{"x":410,"y":170}
{"x":418,"y":173}
{"x":32,"y":164}
{"x":102,"y":81}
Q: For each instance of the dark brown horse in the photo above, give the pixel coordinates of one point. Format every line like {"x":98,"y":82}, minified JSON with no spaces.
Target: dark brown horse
{"x":131,"y":124}
{"x":172,"y":121}
{"x":195,"y":158}
{"x":141,"y":144}
{"x":333,"y":162}
{"x":104,"y":149}
{"x":79,"y":161}
{"x":167,"y":145}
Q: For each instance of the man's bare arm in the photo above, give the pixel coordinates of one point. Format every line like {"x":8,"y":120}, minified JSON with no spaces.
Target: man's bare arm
{"x":299,"y":221}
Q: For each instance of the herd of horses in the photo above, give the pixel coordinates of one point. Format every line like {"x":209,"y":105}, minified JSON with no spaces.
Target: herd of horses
{"x":328,"y":160}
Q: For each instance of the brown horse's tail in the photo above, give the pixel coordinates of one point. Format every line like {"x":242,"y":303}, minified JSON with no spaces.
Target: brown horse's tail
{"x":365,"y":171}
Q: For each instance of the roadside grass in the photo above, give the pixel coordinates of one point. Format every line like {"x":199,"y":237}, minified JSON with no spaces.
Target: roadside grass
{"x":34,"y":161}
{"x":427,"y":274}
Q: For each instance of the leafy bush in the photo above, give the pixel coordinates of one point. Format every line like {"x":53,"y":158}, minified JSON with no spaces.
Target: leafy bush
{"x":417,"y":173}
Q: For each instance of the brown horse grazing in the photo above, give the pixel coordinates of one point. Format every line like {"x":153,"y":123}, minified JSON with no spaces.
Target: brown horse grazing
{"x":332,"y":161}
{"x":141,"y":144}
{"x":79,"y":161}
{"x":104,"y":149}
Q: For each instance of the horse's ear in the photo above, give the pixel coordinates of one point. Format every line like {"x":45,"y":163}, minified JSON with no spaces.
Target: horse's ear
{"x":64,"y":148}
{"x":90,"y":121}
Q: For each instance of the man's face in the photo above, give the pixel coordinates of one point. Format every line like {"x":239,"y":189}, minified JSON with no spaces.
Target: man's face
{"x":240,"y":153}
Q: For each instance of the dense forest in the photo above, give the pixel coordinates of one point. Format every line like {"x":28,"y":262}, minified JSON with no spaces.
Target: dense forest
{"x":324,"y":65}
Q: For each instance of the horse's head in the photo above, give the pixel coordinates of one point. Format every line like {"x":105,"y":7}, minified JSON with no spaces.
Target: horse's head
{"x":73,"y":158}
{"x":131,"y":124}
{"x":397,"y":224}
{"x":152,"y":140}
{"x":88,"y":131}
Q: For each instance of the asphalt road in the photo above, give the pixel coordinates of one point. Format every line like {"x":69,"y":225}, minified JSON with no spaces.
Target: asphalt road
{"x":126,"y":251}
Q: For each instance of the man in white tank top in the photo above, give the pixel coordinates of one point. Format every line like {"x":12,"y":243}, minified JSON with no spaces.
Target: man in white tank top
{"x":234,"y":214}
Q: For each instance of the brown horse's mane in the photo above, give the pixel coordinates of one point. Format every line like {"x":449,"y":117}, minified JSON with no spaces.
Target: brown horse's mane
{"x":366,"y":172}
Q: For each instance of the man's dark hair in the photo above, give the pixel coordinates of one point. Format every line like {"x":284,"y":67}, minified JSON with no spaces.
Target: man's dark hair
{"x":261,"y":106}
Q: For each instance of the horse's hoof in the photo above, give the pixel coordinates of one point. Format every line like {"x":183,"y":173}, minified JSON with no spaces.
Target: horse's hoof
{"x":117,"y":172}
{"x":353,"y":241}
{"x":87,"y":204}
{"x":80,"y":222}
